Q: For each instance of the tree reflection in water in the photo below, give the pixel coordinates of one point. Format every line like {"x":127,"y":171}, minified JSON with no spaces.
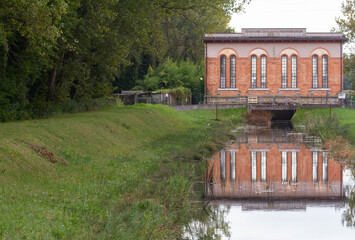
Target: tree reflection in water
{"x":348,"y":216}
{"x":209,"y":224}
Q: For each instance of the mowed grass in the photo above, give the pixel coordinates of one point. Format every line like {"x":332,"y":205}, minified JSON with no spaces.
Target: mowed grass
{"x":345,"y":115}
{"x":129,"y":174}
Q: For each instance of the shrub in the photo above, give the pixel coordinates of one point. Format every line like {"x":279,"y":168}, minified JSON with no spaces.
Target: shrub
{"x":43,"y":109}
{"x":174,"y":75}
{"x":325,"y":126}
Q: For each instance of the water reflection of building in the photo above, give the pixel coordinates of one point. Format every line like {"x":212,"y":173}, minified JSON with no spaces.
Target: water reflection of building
{"x":272,"y":166}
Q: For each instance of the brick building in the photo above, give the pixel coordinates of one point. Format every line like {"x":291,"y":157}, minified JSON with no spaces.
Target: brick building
{"x":274,"y":65}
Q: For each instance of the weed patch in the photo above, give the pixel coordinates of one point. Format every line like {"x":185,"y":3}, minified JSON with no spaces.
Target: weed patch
{"x":126,"y":178}
{"x":258,"y":118}
{"x":335,"y":132}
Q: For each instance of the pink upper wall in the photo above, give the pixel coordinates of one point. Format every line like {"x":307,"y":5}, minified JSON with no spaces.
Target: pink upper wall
{"x":274,"y":49}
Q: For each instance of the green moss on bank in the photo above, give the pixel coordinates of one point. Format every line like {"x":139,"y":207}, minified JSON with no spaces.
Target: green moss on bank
{"x":129,"y":172}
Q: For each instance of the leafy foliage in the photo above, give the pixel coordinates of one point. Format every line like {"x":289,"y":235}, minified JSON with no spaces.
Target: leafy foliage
{"x":174,"y":75}
{"x":349,"y":68}
{"x":54,"y":51}
{"x":347,"y":25}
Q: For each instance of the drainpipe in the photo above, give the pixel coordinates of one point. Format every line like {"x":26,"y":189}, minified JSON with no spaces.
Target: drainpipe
{"x":341,"y":66}
{"x":205,"y":73}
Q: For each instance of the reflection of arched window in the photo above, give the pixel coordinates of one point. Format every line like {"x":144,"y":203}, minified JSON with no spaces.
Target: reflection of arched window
{"x":223,"y":71}
{"x":325,"y":71}
{"x":232,"y":73}
{"x":223,"y":165}
{"x":325,"y":167}
{"x":315,"y":166}
{"x":232,"y":165}
{"x":253,"y":71}
{"x":284,"y":71}
{"x":284,"y":167}
{"x":253,"y":166}
{"x":263,"y":166}
{"x":263,"y":71}
{"x":314,"y":71}
{"x":294,"y":167}
{"x":294,"y":71}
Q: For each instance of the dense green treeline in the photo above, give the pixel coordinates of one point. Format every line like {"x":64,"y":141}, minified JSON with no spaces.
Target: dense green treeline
{"x":54,"y":51}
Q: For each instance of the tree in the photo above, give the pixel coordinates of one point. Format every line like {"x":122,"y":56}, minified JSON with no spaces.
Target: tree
{"x":179,"y":30}
{"x":347,"y":25}
{"x":59,"y":50}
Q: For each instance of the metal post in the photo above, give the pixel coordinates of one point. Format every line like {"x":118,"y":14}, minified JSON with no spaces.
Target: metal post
{"x":326,"y":97}
{"x":216,"y":112}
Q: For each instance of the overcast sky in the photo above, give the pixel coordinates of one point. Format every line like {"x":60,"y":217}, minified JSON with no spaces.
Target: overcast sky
{"x":315,"y":15}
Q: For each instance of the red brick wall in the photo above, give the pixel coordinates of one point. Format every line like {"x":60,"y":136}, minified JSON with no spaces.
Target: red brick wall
{"x":243,"y":81}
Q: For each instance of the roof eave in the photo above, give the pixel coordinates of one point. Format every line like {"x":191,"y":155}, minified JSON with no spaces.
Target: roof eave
{"x":206,"y":40}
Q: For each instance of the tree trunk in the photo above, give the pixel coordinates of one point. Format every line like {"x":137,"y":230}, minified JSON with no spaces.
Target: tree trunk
{"x":52,"y":82}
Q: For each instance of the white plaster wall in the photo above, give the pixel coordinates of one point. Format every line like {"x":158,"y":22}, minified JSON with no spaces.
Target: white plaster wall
{"x":273,"y":49}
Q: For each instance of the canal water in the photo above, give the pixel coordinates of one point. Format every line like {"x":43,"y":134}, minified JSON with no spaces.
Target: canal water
{"x":275,"y":184}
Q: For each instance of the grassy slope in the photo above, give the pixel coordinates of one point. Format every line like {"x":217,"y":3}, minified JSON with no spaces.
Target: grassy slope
{"x":346,"y":116}
{"x":123,"y":180}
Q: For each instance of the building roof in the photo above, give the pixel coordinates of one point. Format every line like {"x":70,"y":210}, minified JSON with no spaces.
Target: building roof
{"x":275,"y":35}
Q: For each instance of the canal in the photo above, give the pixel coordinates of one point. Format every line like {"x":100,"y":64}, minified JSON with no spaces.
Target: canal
{"x":275,"y":184}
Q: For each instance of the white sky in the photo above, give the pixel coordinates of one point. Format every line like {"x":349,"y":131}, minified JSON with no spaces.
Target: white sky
{"x":315,"y":15}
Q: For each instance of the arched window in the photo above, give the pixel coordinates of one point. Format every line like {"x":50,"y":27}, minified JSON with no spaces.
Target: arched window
{"x":284,"y":71}
{"x":223,"y":71}
{"x":232,"y":75}
{"x":294,"y":71}
{"x":325,"y":71}
{"x":314,"y":71}
{"x":263,"y":71}
{"x":253,"y":71}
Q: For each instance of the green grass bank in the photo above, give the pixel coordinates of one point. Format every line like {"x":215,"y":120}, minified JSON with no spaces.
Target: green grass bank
{"x":335,"y":127}
{"x":129,"y":174}
{"x":345,"y":115}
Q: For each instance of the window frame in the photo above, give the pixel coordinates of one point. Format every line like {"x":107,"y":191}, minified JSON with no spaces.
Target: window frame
{"x":263,"y":71}
{"x":315,"y":71}
{"x":325,"y":69}
{"x":232,"y":68}
{"x":253,"y":75}
{"x":294,"y":69}
{"x":222,"y":71}
{"x":284,"y":71}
